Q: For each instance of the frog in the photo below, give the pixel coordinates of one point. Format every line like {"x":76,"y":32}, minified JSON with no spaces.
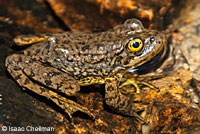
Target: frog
{"x":56,"y":65}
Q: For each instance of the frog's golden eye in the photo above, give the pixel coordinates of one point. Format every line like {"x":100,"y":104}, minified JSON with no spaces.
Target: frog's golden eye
{"x":135,"y":45}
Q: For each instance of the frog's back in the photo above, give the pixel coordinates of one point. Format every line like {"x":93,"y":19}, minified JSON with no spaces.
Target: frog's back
{"x":78,"y":47}
{"x":80,"y":54}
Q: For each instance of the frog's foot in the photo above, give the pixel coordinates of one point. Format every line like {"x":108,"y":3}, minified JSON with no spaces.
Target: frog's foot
{"x":118,"y":101}
{"x":23,"y":40}
{"x":17,"y":66}
{"x":135,"y":82}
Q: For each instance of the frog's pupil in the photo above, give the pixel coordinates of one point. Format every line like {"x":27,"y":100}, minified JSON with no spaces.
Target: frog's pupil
{"x":135,"y":44}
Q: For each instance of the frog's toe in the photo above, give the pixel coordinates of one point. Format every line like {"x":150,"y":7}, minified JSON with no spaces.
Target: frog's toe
{"x":68,"y":105}
{"x":149,"y":85}
{"x":23,"y":40}
{"x":9,"y":60}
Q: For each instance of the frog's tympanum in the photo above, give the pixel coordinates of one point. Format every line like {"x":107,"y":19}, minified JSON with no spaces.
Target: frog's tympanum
{"x":57,"y":64}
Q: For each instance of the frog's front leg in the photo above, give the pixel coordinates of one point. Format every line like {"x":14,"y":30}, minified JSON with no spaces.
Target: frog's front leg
{"x":117,"y":101}
{"x":45,"y":81}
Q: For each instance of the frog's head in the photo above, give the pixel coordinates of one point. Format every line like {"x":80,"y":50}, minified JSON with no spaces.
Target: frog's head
{"x":140,"y":47}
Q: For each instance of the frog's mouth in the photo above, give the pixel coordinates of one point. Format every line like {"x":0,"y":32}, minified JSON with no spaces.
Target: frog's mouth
{"x":153,"y":64}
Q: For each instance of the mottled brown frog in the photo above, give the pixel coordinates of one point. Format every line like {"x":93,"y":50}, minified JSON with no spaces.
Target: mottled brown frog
{"x":60,"y":63}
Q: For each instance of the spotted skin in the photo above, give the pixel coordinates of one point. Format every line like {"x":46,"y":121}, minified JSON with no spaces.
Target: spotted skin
{"x":62,"y":62}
